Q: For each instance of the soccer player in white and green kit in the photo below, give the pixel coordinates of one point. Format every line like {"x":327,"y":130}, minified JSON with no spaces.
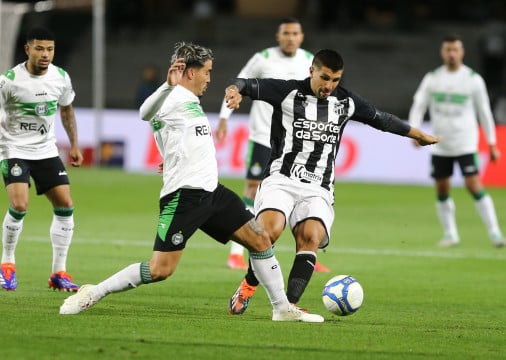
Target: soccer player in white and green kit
{"x":191,"y":197}
{"x":456,"y":97}
{"x":30,"y":94}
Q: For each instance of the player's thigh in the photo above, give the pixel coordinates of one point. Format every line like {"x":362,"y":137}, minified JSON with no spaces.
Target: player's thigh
{"x":468,"y":164}
{"x":469,"y":167}
{"x":309,"y":234}
{"x":273,"y":222}
{"x":182,"y":212}
{"x":276,"y":193}
{"x":228,"y":215}
{"x":48,"y":173}
{"x":320,"y":212}
{"x":442,"y":166}
{"x":16,"y":176}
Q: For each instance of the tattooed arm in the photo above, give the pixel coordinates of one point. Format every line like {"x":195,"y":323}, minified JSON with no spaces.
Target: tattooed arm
{"x":69,"y":124}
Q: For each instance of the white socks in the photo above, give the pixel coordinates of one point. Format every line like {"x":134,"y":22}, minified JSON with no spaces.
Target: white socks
{"x":126,"y":279}
{"x":61,"y":231}
{"x":11,"y":229}
{"x":486,"y":209}
{"x":268,"y":273}
{"x":446,"y":214}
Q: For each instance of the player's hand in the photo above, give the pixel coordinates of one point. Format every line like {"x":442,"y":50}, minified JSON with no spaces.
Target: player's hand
{"x":495,"y":154}
{"x":221,"y":131}
{"x":232,"y":97}
{"x":415,"y":142}
{"x":159,"y":168}
{"x":76,"y":158}
{"x":422,"y":138}
{"x":175,"y":73}
{"x":426,"y":139}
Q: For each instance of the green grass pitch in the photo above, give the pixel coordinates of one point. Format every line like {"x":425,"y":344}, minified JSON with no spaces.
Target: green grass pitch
{"x":421,"y":302}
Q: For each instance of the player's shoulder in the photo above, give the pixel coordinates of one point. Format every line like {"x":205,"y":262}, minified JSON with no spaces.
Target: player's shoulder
{"x":267,"y":53}
{"x":436,"y":72}
{"x":470,"y":72}
{"x":13,"y":73}
{"x":58,"y":71}
{"x":305,"y":53}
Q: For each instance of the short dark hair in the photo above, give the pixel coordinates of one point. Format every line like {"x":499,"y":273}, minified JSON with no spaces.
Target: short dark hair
{"x":328,"y":58}
{"x":452,"y":38}
{"x":39,"y":33}
{"x":289,"y":20}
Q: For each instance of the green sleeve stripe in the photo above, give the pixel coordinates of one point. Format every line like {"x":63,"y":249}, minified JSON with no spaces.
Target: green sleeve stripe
{"x":10,"y":74}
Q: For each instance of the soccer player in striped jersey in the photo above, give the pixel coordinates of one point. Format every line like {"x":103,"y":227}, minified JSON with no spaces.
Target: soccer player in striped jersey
{"x":457,"y":99}
{"x":30,"y":94}
{"x":191,"y":197}
{"x":285,"y":61}
{"x":308,"y":120}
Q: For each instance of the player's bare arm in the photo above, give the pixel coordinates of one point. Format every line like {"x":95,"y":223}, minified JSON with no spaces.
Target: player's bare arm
{"x":69,"y":124}
{"x":221,"y":130}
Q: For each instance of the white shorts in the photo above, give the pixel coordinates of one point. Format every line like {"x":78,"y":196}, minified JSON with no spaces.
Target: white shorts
{"x":298,"y":201}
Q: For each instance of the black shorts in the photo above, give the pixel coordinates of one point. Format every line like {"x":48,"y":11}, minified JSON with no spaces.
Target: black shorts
{"x":256,"y":160}
{"x":219,"y":214}
{"x":442,"y":166}
{"x":46,"y":173}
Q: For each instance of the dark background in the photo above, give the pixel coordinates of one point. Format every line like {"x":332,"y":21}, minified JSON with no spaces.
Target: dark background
{"x":387,"y":45}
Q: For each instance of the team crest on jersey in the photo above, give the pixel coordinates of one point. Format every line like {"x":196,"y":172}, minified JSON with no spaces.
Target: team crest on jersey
{"x":16,"y":170}
{"x":339,"y":108}
{"x":156,"y":124}
{"x":301,"y":97}
{"x":41,"y":109}
{"x":177,"y":239}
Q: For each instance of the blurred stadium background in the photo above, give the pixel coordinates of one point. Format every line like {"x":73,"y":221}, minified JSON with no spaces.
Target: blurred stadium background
{"x":387,"y":46}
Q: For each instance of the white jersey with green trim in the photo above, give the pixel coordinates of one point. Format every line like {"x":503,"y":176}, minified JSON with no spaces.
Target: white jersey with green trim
{"x":456,"y":100}
{"x":28,"y":111}
{"x":270,"y":63}
{"x":184,"y":139}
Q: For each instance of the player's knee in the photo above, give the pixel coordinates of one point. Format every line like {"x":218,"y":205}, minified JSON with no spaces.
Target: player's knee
{"x":19,"y":206}
{"x":66,"y":203}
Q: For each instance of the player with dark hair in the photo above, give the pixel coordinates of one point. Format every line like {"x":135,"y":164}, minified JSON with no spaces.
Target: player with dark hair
{"x":457,"y":99}
{"x":285,"y":61}
{"x":308,"y":120}
{"x":191,"y":197}
{"x":30,"y":94}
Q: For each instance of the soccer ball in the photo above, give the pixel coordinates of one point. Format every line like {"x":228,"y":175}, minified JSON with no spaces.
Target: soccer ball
{"x":342,"y":295}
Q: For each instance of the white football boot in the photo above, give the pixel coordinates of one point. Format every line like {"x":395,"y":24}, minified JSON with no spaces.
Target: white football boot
{"x":82,"y":300}
{"x":296,"y":314}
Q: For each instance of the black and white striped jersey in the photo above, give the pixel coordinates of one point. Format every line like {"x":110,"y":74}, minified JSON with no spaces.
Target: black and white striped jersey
{"x":306,"y":131}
